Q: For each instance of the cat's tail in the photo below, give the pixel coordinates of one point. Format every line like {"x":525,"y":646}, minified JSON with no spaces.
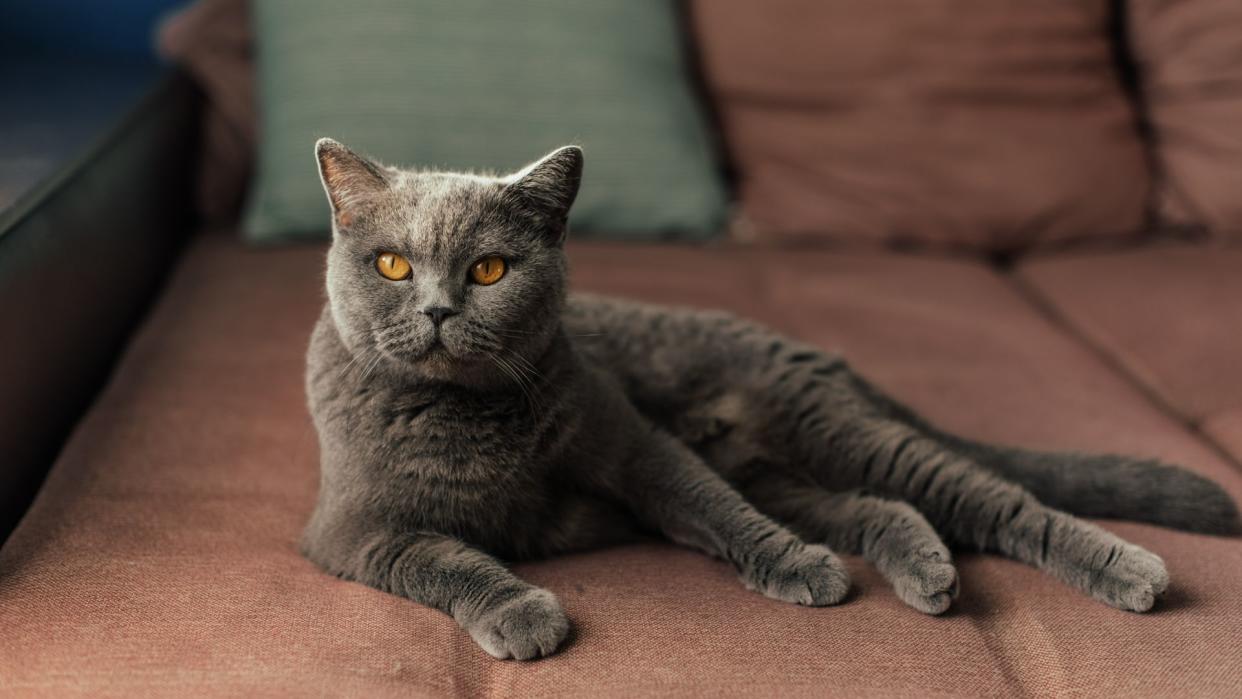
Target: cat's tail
{"x":1110,"y":486}
{"x":1092,"y":485}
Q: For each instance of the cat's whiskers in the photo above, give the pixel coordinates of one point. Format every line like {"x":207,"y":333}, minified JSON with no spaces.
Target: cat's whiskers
{"x":350,"y":363}
{"x":536,"y":380}
{"x":531,"y":377}
{"x":525,"y":380}
{"x":371,"y":367}
{"x":535,"y":405}
{"x":524,"y":364}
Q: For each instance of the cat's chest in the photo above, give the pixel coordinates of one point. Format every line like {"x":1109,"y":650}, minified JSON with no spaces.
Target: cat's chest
{"x":437,"y":427}
{"x":462,"y":467}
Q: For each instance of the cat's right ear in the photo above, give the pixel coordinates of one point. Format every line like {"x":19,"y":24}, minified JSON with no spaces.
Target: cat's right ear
{"x":348,"y":179}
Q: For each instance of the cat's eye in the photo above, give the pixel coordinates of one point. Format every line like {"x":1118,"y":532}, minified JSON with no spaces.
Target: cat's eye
{"x":488,"y":270}
{"x":392,"y":266}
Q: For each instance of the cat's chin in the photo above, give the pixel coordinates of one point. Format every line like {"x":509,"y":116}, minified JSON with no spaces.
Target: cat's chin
{"x":438,"y":363}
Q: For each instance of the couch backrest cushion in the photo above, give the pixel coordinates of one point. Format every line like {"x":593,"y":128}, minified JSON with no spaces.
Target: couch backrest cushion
{"x":985,"y":124}
{"x":482,"y":85}
{"x":211,"y":40}
{"x":1189,"y":55}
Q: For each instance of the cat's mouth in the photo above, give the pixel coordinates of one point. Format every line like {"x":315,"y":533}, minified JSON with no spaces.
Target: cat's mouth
{"x":435,"y":351}
{"x":438,"y":354}
{"x":434,"y":355}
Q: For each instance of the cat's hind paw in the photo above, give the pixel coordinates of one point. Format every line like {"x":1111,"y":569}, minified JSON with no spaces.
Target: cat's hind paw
{"x":1102,"y":564}
{"x":1130,"y":578}
{"x":806,"y":574}
{"x":927,"y":581}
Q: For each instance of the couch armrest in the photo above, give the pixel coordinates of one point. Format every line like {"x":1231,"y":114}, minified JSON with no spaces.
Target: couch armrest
{"x":82,"y":255}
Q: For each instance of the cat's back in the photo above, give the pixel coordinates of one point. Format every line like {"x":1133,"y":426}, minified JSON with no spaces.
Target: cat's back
{"x":638,"y":341}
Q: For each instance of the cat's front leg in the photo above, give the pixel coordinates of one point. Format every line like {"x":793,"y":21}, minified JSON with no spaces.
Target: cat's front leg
{"x":507,"y":616}
{"x":669,"y":486}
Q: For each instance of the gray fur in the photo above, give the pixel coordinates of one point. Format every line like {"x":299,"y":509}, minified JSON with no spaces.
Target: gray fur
{"x":530,"y":423}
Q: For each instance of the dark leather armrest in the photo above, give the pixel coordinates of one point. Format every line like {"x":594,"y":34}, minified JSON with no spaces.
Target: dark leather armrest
{"x":82,"y":255}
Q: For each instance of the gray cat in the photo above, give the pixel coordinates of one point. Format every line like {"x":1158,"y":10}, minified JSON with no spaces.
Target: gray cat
{"x":465,"y":419}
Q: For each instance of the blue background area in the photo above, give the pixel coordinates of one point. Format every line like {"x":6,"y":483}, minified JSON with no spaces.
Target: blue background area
{"x":121,"y":28}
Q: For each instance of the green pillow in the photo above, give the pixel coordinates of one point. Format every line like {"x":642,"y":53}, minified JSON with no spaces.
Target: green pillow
{"x":486,"y":85}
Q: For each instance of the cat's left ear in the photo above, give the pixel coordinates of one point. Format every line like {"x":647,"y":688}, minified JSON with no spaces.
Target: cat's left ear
{"x":348,"y":179}
{"x":546,"y":189}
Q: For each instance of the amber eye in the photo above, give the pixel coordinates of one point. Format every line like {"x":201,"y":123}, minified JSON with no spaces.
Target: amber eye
{"x":392,"y":266}
{"x":488,"y":270}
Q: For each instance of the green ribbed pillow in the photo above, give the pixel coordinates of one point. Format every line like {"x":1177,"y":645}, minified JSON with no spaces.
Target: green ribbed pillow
{"x":485,"y":85}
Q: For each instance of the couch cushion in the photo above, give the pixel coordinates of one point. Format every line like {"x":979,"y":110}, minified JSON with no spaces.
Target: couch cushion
{"x":211,"y":40}
{"x":1188,"y":54}
{"x":1226,"y":430}
{"x":161,"y":559}
{"x":480,"y":85}
{"x":1171,"y":315}
{"x":990,"y":124}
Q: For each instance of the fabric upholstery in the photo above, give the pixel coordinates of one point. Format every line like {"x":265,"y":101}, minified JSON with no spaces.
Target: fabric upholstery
{"x":1188,"y":52}
{"x":992,"y":125}
{"x":1226,"y":429}
{"x":160,"y":558}
{"x":478,"y":85}
{"x":1171,"y":315}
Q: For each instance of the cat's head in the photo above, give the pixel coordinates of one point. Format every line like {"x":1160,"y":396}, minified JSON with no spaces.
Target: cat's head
{"x":453,"y":277}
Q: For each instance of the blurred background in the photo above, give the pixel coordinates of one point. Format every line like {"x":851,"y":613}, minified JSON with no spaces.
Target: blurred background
{"x":68,"y":68}
{"x":122,"y":29}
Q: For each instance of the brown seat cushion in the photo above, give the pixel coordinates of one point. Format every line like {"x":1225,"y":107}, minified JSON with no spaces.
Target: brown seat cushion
{"x":160,"y":557}
{"x":1171,"y":315}
{"x":1190,"y":58}
{"x":1226,"y":429}
{"x":988,"y":124}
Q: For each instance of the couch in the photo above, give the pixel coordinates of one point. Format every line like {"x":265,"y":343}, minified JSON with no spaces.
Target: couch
{"x":160,"y":554}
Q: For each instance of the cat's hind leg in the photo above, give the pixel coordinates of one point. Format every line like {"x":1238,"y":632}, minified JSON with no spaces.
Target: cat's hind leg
{"x":828,"y":428}
{"x":971,"y":506}
{"x":889,"y":534}
{"x":1090,"y":485}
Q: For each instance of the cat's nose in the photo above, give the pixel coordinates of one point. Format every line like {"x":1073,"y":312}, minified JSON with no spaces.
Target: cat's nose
{"x":438,"y":313}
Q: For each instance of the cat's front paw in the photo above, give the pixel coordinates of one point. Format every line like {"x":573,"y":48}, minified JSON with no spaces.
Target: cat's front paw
{"x":528,"y":626}
{"x":806,"y":574}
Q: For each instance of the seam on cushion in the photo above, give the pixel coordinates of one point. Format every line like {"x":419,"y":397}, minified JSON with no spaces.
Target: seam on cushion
{"x":1049,"y":309}
{"x":988,"y":636}
{"x":1132,"y":365}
